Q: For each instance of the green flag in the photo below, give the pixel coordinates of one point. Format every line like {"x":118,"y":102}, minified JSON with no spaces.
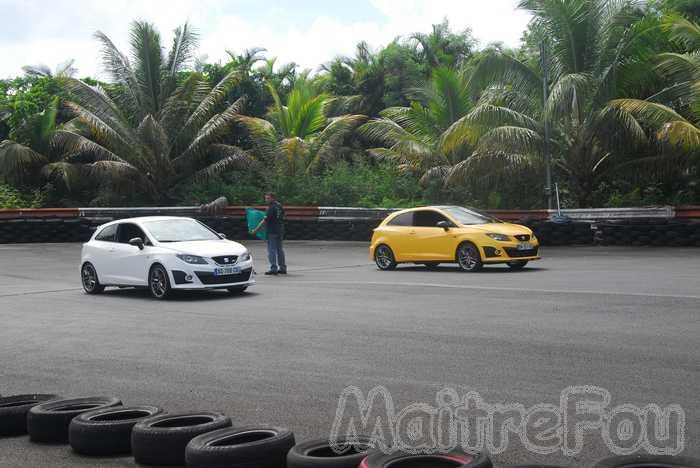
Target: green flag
{"x":253,"y":217}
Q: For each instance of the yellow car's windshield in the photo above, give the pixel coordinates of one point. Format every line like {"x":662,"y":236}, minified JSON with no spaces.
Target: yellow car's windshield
{"x":469,"y":215}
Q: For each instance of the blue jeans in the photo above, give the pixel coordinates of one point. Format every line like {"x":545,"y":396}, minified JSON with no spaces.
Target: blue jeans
{"x":275,"y":252}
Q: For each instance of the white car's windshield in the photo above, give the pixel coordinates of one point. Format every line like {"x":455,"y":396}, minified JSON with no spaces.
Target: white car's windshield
{"x":469,"y":216}
{"x":179,"y":230}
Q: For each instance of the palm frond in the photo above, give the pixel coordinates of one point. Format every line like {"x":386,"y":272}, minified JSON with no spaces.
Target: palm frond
{"x":148,"y":63}
{"x":510,"y":140}
{"x":117,"y":65}
{"x":18,"y":161}
{"x":67,"y":173}
{"x":74,"y":146}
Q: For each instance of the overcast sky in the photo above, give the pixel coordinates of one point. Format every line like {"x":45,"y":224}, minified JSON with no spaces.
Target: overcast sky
{"x":308,"y":32}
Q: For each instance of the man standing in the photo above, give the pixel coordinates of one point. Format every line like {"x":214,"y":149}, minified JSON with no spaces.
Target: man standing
{"x":274,"y":221}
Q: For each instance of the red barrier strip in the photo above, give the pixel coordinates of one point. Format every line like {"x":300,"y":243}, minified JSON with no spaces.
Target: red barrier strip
{"x":691,"y":211}
{"x":39,"y":213}
{"x":515,"y":215}
{"x":290,"y":212}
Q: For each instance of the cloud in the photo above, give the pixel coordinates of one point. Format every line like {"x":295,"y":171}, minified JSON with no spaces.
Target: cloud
{"x":42,"y":32}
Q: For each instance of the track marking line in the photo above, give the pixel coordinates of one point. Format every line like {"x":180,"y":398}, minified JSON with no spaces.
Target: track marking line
{"x":494,"y":288}
{"x":31,"y":293}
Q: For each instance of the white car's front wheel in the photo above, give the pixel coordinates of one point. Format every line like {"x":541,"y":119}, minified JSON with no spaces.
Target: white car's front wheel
{"x":88,"y":276}
{"x":158,"y":282}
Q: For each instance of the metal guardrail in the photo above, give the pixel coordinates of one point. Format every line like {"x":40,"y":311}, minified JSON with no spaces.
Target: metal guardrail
{"x":600,"y":214}
{"x":349,"y":213}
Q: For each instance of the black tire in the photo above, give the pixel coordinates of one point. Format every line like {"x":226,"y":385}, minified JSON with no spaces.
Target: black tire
{"x":431,"y":265}
{"x":468,"y":257}
{"x":319,"y":454}
{"x":48,"y":422}
{"x":161,"y":440}
{"x":158,"y":282}
{"x":648,"y":461}
{"x":384,"y":257}
{"x":534,"y":465}
{"x":107,"y":431}
{"x":244,"y":447}
{"x":454,"y":458}
{"x":236,"y":290}
{"x":517,"y":264}
{"x":14,"y":409}
{"x":90,"y":280}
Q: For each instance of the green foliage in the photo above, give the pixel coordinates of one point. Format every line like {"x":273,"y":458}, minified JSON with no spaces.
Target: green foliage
{"x":448,"y":122}
{"x":10,"y":197}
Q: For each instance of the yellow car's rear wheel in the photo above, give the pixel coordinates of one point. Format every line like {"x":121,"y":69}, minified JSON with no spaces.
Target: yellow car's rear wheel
{"x":384,"y":257}
{"x":468,"y":257}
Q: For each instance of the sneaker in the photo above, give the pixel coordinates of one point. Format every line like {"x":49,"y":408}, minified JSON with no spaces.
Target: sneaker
{"x":282,"y":272}
{"x":274,"y":273}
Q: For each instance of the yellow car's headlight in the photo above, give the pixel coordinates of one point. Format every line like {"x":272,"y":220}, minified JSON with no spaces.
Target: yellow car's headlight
{"x":498,"y":237}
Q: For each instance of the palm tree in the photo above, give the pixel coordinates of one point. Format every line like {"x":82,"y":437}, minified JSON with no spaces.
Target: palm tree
{"x":423,"y":138}
{"x":300,"y":135}
{"x":63,"y":70}
{"x":682,"y":70}
{"x":31,"y":157}
{"x":442,"y":47}
{"x":151,"y":128}
{"x":594,"y":53}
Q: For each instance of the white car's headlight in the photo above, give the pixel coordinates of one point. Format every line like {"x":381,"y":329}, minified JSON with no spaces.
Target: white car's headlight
{"x":244,"y":257}
{"x":498,"y":237}
{"x":191,"y":259}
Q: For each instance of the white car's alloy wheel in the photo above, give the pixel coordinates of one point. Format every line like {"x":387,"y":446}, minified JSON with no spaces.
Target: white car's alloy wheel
{"x":158,"y":282}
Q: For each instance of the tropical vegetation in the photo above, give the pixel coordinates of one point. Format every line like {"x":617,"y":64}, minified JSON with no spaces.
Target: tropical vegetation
{"x":604,"y":95}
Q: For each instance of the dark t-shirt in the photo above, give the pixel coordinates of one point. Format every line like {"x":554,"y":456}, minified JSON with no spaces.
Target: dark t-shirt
{"x":275,"y":218}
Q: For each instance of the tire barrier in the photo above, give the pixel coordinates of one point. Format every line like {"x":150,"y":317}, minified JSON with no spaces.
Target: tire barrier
{"x":655,"y":232}
{"x":14,"y":409}
{"x":318,"y":453}
{"x":161,"y":440}
{"x":356,"y":224}
{"x":206,"y":439}
{"x":107,"y":431}
{"x":49,"y":422}
{"x":455,"y":459}
{"x":242,"y":447}
{"x":648,"y":461}
{"x":549,"y":233}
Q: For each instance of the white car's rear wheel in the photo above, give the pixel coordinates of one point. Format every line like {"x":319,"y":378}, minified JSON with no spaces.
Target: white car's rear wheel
{"x":158,"y":282}
{"x":88,"y":276}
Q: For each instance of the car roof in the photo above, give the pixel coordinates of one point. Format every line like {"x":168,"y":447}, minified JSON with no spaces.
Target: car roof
{"x":434,"y":207}
{"x":142,"y":219}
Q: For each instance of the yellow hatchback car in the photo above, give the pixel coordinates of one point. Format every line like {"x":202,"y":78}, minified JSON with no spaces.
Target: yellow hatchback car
{"x":451,"y":234}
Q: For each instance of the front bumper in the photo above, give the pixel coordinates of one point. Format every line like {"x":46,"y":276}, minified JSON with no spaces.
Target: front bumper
{"x":504,"y":252}
{"x":196,"y":276}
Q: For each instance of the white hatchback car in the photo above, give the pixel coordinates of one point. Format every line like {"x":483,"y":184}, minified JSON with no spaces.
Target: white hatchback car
{"x":163,"y":253}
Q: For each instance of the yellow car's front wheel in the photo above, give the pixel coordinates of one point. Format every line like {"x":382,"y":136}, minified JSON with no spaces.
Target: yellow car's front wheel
{"x":468,"y":257}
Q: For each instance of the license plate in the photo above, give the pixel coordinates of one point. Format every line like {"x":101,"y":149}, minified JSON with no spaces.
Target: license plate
{"x":525,"y":246}
{"x":226,"y":271}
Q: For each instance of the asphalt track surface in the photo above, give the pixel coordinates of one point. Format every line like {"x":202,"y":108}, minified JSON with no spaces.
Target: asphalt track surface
{"x":624,"y":319}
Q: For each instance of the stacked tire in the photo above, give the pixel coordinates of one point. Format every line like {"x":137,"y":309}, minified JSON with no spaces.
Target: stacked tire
{"x":14,"y":409}
{"x":654,"y":232}
{"x":49,"y":422}
{"x":573,"y":233}
{"x":243,"y":447}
